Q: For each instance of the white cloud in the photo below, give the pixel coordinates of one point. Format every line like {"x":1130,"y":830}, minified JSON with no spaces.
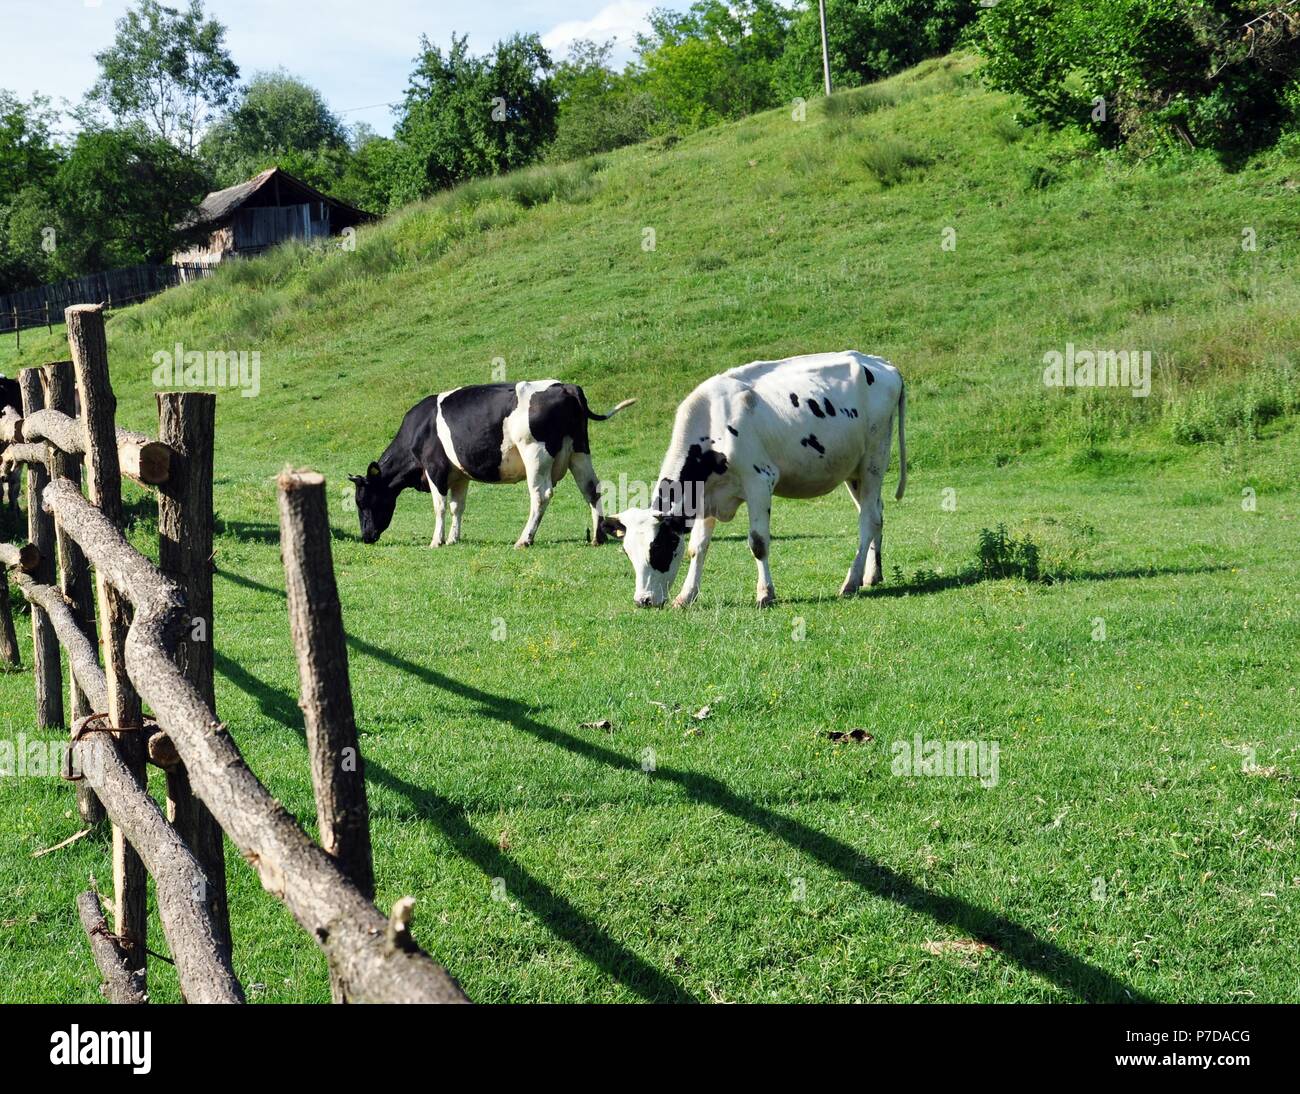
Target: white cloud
{"x":621,"y":21}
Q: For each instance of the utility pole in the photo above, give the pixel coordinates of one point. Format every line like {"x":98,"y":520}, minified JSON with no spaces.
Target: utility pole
{"x":826,"y":57}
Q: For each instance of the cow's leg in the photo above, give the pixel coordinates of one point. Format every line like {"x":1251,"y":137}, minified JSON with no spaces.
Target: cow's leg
{"x":457,"y":489}
{"x":758,"y":500}
{"x":439,"y":507}
{"x":584,"y":474}
{"x":872,"y":575}
{"x":865,"y":489}
{"x":537,"y":468}
{"x":701,"y":537}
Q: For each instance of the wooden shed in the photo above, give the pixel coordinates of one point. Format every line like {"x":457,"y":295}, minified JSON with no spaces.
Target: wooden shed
{"x":267,"y":209}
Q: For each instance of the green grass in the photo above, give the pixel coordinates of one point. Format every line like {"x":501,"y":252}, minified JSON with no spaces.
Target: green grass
{"x":1127,"y":851}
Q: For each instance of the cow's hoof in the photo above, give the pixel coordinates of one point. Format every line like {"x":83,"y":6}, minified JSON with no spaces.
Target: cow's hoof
{"x":683,"y":601}
{"x":521,"y":544}
{"x":873,"y":579}
{"x":848,"y":589}
{"x":766,"y":598}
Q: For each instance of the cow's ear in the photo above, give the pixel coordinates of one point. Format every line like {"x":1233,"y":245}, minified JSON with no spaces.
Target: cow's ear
{"x":675,"y":522}
{"x":613,"y":527}
{"x":372,"y":472}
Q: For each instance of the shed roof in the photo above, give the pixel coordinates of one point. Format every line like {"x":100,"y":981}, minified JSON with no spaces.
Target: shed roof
{"x":220,"y":204}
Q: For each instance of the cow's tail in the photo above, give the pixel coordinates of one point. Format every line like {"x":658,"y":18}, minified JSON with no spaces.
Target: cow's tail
{"x":606,"y":417}
{"x":902,"y":443}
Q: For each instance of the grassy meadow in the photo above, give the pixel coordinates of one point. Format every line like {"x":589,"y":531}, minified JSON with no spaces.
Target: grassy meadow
{"x":1140,"y":840}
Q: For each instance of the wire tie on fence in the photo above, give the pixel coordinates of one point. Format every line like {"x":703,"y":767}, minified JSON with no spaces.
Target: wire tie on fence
{"x":92,"y":723}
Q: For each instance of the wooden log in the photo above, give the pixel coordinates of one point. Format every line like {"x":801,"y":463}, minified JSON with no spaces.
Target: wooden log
{"x":140,"y":458}
{"x":11,"y":426}
{"x":27,"y":453}
{"x":121,"y":984}
{"x":46,"y":667}
{"x":186,"y":425}
{"x":82,"y":662}
{"x":350,"y":929}
{"x":202,"y":964}
{"x":74,"y":572}
{"x":9,"y":652}
{"x":316,"y":622}
{"x":104,"y":489}
{"x":24,"y":557}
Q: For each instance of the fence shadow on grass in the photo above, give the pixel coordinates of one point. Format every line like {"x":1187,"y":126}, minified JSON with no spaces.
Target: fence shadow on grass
{"x":1017,"y":943}
{"x":559,"y":916}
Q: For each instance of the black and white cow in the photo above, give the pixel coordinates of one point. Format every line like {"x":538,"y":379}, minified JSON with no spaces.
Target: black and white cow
{"x":795,"y":428}
{"x":534,"y":430}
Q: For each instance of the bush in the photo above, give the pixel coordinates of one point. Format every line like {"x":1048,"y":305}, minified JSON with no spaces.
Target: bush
{"x":1150,"y":73}
{"x":1000,"y":555}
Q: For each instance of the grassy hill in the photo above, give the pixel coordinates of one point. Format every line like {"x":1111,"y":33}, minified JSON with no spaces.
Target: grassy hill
{"x":1140,"y":841}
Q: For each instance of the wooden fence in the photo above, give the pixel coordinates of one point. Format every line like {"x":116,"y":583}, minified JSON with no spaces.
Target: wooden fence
{"x":154,"y":626}
{"x":41,"y":307}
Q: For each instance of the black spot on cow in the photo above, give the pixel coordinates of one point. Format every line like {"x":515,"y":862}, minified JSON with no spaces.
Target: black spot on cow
{"x":664,"y":546}
{"x":758,"y":469}
{"x":475,"y":418}
{"x":830,"y":410}
{"x":758,"y":545}
{"x":812,"y":442}
{"x":816,"y":409}
{"x":681,"y":496}
{"x":794,"y":399}
{"x":555,"y":414}
{"x":732,"y":431}
{"x":870,"y":379}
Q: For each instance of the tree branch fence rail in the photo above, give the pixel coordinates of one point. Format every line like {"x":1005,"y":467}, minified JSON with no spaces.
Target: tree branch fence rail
{"x":153,"y":626}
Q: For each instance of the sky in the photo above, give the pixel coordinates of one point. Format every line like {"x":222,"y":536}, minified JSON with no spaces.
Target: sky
{"x":358,"y":53}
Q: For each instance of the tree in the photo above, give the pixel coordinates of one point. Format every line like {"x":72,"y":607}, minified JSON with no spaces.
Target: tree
{"x":868,"y":40}
{"x":167,"y":70}
{"x":1219,"y":74}
{"x":29,"y":160}
{"x":465,"y":116}
{"x":276,"y":120}
{"x":714,"y":62}
{"x":599,"y":109}
{"x":121,"y":195}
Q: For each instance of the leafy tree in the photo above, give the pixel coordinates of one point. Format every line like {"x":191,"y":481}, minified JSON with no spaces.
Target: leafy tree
{"x":277,"y":120}
{"x":121,"y":195}
{"x":466,"y":116}
{"x":600,"y":109}
{"x":867,"y":40}
{"x":1153,"y":73}
{"x":167,"y":70}
{"x":715,"y":62}
{"x":29,"y":160}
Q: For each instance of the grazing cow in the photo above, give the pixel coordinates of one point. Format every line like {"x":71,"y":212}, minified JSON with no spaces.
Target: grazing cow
{"x":10,"y":480}
{"x":795,"y":428}
{"x":534,"y":430}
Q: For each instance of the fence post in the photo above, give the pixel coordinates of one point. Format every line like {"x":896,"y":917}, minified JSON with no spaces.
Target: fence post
{"x":8,"y":638}
{"x":49,"y":327}
{"x":74,"y":573}
{"x":316,"y":621}
{"x":46,"y":666}
{"x":104,"y":489}
{"x":18,"y":334}
{"x":186,"y":423}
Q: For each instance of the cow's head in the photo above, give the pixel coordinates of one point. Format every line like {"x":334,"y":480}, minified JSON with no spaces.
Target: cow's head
{"x":655,"y":542}
{"x":376,"y":501}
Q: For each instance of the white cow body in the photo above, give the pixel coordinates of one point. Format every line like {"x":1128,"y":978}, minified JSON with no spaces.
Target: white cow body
{"x":795,"y":428}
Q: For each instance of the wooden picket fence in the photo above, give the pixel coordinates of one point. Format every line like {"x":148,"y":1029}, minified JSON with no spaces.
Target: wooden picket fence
{"x":154,"y":627}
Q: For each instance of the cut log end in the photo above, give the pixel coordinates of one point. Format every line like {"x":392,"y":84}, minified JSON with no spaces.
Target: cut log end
{"x":122,"y":984}
{"x":298,"y":480}
{"x":25,"y":557}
